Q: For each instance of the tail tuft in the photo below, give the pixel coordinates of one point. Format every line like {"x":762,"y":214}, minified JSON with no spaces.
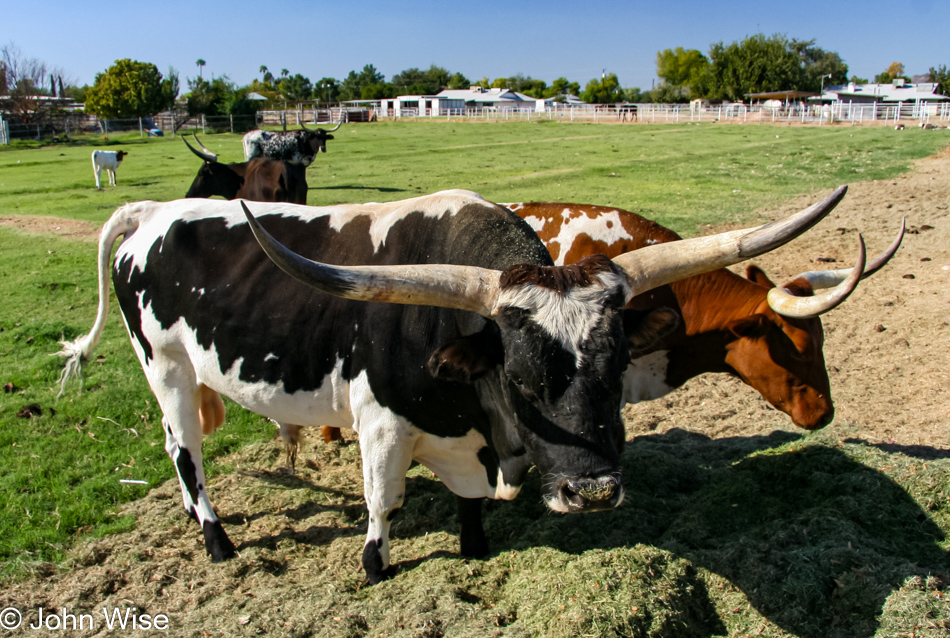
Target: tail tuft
{"x":75,"y":353}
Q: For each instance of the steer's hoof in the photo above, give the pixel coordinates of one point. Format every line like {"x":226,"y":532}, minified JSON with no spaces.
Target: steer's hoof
{"x":373,"y":564}
{"x":217,"y":543}
{"x":473,"y":547}
{"x":380,"y":576}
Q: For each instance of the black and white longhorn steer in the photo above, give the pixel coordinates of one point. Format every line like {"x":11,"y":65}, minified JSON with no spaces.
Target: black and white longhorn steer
{"x":259,"y":180}
{"x":485,"y":358}
{"x":294,"y":146}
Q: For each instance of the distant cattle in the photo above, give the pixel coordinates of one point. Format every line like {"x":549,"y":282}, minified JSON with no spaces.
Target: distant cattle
{"x":627,"y":112}
{"x":293,"y":146}
{"x":107,"y":161}
{"x":479,"y":358}
{"x":259,"y":180}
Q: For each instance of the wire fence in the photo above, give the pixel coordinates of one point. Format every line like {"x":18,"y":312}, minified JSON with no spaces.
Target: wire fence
{"x":809,"y":114}
{"x":60,"y":127}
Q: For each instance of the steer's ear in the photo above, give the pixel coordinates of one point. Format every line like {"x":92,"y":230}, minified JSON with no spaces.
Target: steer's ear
{"x":645,"y":329}
{"x":466,"y":359}
{"x":751,"y":326}
{"x":757,"y":275}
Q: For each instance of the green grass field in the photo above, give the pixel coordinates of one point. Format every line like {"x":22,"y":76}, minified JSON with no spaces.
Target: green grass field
{"x":60,"y":471}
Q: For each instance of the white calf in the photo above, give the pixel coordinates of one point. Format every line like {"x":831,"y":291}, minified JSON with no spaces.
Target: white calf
{"x":108,"y":160}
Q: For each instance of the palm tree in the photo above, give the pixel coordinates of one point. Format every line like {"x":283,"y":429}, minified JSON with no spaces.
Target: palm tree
{"x":262,"y":70}
{"x":284,"y":73}
{"x":199,"y":63}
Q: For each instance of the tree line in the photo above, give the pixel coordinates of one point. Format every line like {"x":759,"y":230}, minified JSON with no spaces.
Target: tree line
{"x":730,"y":72}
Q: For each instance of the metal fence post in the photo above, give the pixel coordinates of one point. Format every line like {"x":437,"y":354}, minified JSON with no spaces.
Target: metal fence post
{"x":231,"y":119}
{"x":141,"y":135}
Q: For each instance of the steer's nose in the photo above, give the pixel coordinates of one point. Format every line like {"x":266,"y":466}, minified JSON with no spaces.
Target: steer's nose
{"x":591,"y":494}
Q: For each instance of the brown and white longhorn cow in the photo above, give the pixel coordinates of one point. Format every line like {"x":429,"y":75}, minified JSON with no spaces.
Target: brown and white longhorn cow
{"x":729,"y":323}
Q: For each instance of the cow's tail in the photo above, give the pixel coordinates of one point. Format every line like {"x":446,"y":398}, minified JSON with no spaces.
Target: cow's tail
{"x":124,"y":221}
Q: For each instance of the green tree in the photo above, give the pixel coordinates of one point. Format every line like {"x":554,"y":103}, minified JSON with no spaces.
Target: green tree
{"x":816,"y":63}
{"x":352,"y":86}
{"x":378,"y":91}
{"x":756,"y":65}
{"x":326,"y":89}
{"x":681,"y":67}
{"x":683,"y":72}
{"x":858,"y":80}
{"x":296,"y":88}
{"x":128,"y":88}
{"x":220,"y":96}
{"x":200,"y":64}
{"x":940,"y":75}
{"x":634,"y":94}
{"x":527,"y":85}
{"x":561,"y":87}
{"x":417,"y":82}
{"x":606,"y":90}
{"x":170,"y":88}
{"x":893,"y":72}
{"x":458,"y":81}
{"x":76,"y":93}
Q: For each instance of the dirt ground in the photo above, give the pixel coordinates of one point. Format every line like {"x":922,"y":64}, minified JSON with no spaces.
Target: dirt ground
{"x":887,"y":348}
{"x":300,"y":541}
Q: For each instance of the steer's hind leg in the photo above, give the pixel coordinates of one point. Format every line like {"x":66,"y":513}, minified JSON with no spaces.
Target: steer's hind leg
{"x":180,"y":398}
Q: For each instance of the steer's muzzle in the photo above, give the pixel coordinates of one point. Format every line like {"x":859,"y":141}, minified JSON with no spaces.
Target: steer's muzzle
{"x":582,"y":494}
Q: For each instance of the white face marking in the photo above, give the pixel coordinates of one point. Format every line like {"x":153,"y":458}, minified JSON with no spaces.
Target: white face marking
{"x":606,"y":227}
{"x":513,"y":207}
{"x":270,"y":357}
{"x":567,"y":318}
{"x":645,"y":378}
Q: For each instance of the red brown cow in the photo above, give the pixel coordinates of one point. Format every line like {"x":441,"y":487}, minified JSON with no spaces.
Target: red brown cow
{"x":729,"y":324}
{"x":259,"y":180}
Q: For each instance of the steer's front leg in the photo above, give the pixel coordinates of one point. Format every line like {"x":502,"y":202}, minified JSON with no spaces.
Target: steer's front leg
{"x":386,"y":448}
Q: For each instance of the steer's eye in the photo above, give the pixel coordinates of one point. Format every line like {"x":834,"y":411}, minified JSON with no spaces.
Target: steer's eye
{"x":518,"y":381}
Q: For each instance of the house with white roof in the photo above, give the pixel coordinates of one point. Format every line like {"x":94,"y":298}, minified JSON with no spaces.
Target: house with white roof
{"x":910,"y":98}
{"x":459,"y":100}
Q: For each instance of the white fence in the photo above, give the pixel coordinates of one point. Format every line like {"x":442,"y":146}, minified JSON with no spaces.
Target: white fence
{"x":814,"y":114}
{"x":4,"y":132}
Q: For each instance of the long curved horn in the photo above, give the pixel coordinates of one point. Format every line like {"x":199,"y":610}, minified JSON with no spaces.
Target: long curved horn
{"x":829,"y":278}
{"x":340,"y":123}
{"x":204,"y":148}
{"x":789,"y":305}
{"x":660,"y":264}
{"x":206,"y":157}
{"x":447,"y":286}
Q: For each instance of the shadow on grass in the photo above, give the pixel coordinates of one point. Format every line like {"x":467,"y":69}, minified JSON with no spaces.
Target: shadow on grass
{"x":816,"y":537}
{"x":380,"y":189}
{"x":917,"y":451}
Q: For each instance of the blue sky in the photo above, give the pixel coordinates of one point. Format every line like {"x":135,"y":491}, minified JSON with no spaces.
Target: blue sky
{"x":493,"y":38}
